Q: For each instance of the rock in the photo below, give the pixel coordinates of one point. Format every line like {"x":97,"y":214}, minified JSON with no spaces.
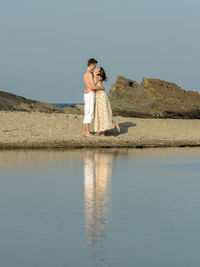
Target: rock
{"x":81,"y":108}
{"x":153,"y":98}
{"x":11,"y":102}
{"x":22,"y":107}
{"x":70,"y":110}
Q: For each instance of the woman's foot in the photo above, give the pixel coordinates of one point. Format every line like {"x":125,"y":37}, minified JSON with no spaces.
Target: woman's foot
{"x":102,"y":133}
{"x":117,"y":127}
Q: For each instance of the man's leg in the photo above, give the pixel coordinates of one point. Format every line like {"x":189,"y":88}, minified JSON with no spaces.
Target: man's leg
{"x":83,"y":128}
{"x":84,"y":114}
{"x":88,"y":114}
{"x":87,"y":133}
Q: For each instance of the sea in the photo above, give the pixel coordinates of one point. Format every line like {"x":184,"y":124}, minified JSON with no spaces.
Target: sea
{"x":105,"y":208}
{"x":63,"y":105}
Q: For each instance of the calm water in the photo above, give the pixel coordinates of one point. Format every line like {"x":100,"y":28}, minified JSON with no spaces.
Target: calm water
{"x":100,"y":208}
{"x":60,"y":105}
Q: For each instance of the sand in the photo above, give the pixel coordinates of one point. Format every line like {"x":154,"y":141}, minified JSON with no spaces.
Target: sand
{"x":22,"y":130}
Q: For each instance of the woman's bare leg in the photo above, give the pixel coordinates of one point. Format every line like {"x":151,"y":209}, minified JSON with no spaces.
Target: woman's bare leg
{"x":117,"y":127}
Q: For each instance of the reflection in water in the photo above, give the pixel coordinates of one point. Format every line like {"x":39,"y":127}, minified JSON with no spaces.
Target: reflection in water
{"x":12,"y":160}
{"x":154,"y":220}
{"x":97,"y":181}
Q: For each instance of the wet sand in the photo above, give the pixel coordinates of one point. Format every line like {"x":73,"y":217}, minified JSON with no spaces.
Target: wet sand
{"x":41,"y":130}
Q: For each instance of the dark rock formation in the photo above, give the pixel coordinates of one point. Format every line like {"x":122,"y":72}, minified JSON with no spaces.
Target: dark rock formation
{"x":153,"y":98}
{"x":11,"y":102}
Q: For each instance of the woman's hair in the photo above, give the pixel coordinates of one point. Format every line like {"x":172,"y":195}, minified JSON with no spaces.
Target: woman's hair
{"x":102,"y":74}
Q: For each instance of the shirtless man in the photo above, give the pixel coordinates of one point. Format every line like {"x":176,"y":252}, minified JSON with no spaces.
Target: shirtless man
{"x":89,"y":96}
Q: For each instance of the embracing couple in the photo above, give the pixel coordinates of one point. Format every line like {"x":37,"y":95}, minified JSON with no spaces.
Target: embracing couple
{"x":96,"y":103}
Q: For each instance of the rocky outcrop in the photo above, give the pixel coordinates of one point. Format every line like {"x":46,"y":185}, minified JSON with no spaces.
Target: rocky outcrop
{"x":153,"y":98}
{"x":80,"y":108}
{"x":11,"y":102}
{"x":73,"y":110}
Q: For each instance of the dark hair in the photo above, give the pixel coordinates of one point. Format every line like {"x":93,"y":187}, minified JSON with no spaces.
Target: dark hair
{"x":92,"y":61}
{"x":102,"y":74}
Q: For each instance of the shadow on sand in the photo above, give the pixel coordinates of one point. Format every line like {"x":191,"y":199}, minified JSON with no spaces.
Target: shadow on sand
{"x":123,"y":129}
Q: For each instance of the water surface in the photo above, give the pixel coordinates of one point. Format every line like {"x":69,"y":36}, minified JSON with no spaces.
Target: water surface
{"x":100,"y":208}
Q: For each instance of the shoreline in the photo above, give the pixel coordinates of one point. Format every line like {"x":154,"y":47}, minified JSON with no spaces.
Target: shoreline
{"x":67,"y":146}
{"x":35,"y":130}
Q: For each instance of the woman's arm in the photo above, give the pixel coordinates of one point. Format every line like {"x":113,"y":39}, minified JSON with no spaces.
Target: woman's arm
{"x":99,"y":86}
{"x":95,"y":79}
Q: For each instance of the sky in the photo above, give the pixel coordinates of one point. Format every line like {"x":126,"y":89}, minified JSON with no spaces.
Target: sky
{"x":45,"y":44}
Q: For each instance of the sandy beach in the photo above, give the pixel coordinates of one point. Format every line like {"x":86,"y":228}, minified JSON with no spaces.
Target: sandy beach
{"x":41,"y":130}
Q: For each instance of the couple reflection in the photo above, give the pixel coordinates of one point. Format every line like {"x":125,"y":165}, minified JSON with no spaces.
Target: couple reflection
{"x":97,"y":181}
{"x":97,"y":194}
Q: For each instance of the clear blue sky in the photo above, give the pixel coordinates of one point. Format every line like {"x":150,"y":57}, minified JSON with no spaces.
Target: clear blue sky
{"x":45,"y":44}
